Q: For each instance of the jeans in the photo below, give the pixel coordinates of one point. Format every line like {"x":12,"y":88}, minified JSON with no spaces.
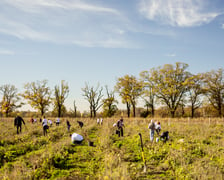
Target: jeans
{"x":151,"y":133}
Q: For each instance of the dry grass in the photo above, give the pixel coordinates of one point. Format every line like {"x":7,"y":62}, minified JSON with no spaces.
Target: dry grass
{"x":195,"y":151}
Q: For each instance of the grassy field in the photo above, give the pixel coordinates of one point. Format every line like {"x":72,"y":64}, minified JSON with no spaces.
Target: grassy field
{"x":195,"y":151}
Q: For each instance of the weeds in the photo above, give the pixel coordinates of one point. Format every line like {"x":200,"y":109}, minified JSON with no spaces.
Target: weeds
{"x":195,"y":150}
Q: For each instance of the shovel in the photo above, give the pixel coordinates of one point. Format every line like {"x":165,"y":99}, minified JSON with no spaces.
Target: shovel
{"x":143,"y":158}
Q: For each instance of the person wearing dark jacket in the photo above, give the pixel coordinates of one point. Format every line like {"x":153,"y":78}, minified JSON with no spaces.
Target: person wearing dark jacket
{"x":120,"y":125}
{"x":18,"y":123}
{"x":68,"y":125}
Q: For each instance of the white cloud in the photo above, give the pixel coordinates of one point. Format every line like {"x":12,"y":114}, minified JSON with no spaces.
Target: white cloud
{"x":20,"y":30}
{"x":6,"y":52}
{"x":109,"y":43}
{"x":171,"y":55}
{"x":182,"y":13}
{"x":37,"y":5}
{"x":64,"y":22}
{"x":222,"y":26}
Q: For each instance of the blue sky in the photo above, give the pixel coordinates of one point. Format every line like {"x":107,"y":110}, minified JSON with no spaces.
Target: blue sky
{"x":98,"y":41}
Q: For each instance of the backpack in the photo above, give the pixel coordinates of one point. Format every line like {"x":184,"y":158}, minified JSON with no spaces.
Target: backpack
{"x":152,"y":125}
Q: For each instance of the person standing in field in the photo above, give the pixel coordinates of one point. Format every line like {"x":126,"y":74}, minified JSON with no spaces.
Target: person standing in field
{"x":101,"y":121}
{"x":151,"y":129}
{"x":45,"y":126}
{"x":18,"y":123}
{"x":158,"y":127}
{"x":32,"y":120}
{"x":57,"y":121}
{"x":68,"y":125}
{"x":50,"y":122}
{"x":120,"y":125}
{"x":98,"y":121}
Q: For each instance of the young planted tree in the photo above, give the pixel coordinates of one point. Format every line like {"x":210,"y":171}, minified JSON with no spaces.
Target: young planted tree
{"x":9,"y":99}
{"x":93,"y":96}
{"x":109,"y":104}
{"x":214,"y":89}
{"x":149,"y":95}
{"x":171,"y":83}
{"x":38,"y":95}
{"x":129,"y":88}
{"x":61,"y":93}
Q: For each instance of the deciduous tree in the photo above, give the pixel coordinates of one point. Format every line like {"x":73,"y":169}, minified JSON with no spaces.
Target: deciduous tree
{"x":93,"y":96}
{"x":129,"y":88}
{"x":149,"y":95}
{"x":195,"y":92}
{"x":170,"y":84}
{"x":214,"y":89}
{"x":109,"y":104}
{"x":60,"y":94}
{"x":9,"y":99}
{"x":38,"y":95}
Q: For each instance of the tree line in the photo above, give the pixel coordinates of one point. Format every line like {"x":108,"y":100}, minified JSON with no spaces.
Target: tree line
{"x":170,"y":86}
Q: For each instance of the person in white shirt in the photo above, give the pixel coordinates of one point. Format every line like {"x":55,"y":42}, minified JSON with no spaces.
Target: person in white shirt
{"x":50,"y":122}
{"x":76,"y":138}
{"x":98,"y":121}
{"x":101,"y":121}
{"x":45,"y":126}
{"x":57,"y":121}
{"x":158,"y":127}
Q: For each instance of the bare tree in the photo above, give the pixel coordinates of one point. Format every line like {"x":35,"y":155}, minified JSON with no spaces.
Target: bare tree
{"x":61,"y":93}
{"x":93,"y":96}
{"x":109,"y":106}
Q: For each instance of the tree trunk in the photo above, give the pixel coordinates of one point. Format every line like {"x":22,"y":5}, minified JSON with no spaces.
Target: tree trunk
{"x":75,"y":112}
{"x":153,"y":110}
{"x":172,"y":112}
{"x":220,"y":108}
{"x":192,"y":112}
{"x":183,"y":112}
{"x":42,"y":111}
{"x":128,"y":109}
{"x":91,"y":111}
{"x":59,"y":111}
{"x":94,"y":113}
{"x":133,"y":109}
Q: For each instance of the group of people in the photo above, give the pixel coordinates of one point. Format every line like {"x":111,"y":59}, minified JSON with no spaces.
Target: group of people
{"x":99,"y":121}
{"x":153,"y":127}
{"x":156,"y":127}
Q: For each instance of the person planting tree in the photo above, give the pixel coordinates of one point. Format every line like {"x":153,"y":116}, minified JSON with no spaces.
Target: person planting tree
{"x":120,"y":125}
